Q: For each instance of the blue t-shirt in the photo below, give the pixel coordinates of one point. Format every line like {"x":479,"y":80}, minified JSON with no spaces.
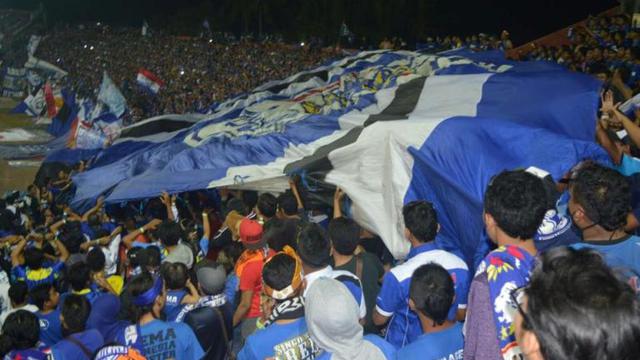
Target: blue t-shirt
{"x":50,"y":327}
{"x":278,"y":338}
{"x":163,"y":340}
{"x":48,"y":274}
{"x":90,"y":294}
{"x":622,"y":254}
{"x":446,"y":344}
{"x":629,"y":165}
{"x":387,"y":349}
{"x":173,"y":304}
{"x":393,"y":300}
{"x":37,"y":353}
{"x":231,"y":286}
{"x":67,"y":350}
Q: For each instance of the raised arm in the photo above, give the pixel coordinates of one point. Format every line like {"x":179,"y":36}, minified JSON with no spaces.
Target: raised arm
{"x":294,"y":190}
{"x":337,"y":201}
{"x":94,"y":209}
{"x":130,"y":238}
{"x":166,"y":200}
{"x":64,"y":253}
{"x":17,"y":252}
{"x":606,"y":143}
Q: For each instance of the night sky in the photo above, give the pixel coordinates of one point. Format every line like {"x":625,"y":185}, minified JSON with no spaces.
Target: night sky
{"x":525,"y":19}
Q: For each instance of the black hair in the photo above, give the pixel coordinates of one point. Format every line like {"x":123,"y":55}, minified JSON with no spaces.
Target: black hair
{"x":313,"y":246}
{"x":279,"y":271}
{"x":432,"y":291}
{"x":94,"y":220}
{"x":33,"y":258}
{"x":517,"y":202}
{"x":20,"y":331}
{"x":75,"y":311}
{"x":344,"y":234}
{"x":96,"y":259}
{"x":40,"y":294}
{"x":169,"y":233}
{"x":268,"y":205}
{"x":233,"y":251}
{"x":175,"y":275}
{"x":249,"y":199}
{"x":100,"y":233}
{"x":18,"y":292}
{"x":604,"y":194}
{"x":287,"y":202}
{"x":135,"y":287}
{"x":79,"y":276}
{"x":152,"y":257}
{"x":579,"y":309}
{"x":280,"y":232}
{"x":72,"y":241}
{"x":421,"y":219}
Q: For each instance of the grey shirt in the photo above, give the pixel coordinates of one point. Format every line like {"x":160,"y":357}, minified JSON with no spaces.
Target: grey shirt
{"x":481,"y":339}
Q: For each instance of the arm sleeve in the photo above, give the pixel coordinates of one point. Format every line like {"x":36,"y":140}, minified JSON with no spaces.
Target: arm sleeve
{"x":462,"y":288}
{"x":481,"y":340}
{"x":390,"y":297}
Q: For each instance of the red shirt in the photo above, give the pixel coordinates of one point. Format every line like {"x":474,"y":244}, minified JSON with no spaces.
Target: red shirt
{"x":251,"y":280}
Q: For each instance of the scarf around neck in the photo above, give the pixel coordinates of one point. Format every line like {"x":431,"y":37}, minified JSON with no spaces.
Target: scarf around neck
{"x":288,"y":309}
{"x":205,"y":301}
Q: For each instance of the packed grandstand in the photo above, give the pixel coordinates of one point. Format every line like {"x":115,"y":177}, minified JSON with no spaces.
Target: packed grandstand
{"x":222,"y":197}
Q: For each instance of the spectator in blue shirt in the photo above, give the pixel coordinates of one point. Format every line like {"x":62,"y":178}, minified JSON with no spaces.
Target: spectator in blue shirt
{"x":153,"y":337}
{"x":46,"y":298}
{"x":430,"y":296}
{"x":180,"y":290}
{"x":332,"y":317}
{"x":79,"y":277}
{"x":285,"y":333}
{"x":79,"y":343}
{"x":36,"y":269}
{"x":599,"y":205}
{"x":20,"y":337}
{"x":421,"y":227}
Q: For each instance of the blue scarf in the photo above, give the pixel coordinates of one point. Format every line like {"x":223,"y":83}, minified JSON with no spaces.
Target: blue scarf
{"x":508,"y":268}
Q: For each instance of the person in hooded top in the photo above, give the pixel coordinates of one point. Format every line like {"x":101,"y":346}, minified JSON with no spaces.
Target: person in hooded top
{"x":332,"y":317}
{"x":103,"y":318}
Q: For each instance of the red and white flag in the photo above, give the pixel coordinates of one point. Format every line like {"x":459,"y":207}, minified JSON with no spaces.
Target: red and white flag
{"x":149,"y":80}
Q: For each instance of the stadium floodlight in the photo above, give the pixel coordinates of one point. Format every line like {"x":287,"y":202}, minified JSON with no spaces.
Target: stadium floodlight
{"x":210,"y":41}
{"x":91,"y":48}
{"x":181,"y":72}
{"x":302,"y":44}
{"x":85,"y":46}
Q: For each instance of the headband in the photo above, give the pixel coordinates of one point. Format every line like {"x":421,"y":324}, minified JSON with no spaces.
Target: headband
{"x":149,"y":296}
{"x":296,"y":282}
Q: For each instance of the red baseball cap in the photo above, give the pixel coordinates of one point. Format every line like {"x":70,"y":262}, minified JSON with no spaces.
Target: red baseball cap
{"x":251,"y":234}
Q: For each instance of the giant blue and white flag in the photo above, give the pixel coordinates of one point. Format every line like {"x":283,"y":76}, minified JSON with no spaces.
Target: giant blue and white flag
{"x":387,"y":127}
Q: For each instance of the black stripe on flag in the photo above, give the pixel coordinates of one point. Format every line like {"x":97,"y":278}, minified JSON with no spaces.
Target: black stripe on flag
{"x":155,"y":127}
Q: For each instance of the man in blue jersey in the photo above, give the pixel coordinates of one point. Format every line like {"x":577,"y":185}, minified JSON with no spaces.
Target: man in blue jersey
{"x":46,"y":298}
{"x":430,"y":296}
{"x":79,"y":343}
{"x":285,"y":334}
{"x":31,"y":266}
{"x":600,"y":202}
{"x":421,"y":227}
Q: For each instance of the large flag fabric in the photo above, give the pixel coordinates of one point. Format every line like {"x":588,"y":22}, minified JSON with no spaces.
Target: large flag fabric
{"x":32,"y":105}
{"x":149,"y":81}
{"x":41,"y":65}
{"x":387,"y":127}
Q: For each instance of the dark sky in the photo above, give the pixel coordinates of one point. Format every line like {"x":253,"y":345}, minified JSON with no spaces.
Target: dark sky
{"x":525,"y":19}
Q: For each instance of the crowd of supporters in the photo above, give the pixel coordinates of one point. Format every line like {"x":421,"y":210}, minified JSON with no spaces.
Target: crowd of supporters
{"x":217,"y":274}
{"x":196,"y":71}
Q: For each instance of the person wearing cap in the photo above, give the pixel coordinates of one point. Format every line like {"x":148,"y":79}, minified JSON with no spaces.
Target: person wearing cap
{"x":210,"y":318}
{"x":285,"y":334}
{"x":155,"y":338}
{"x":249,"y":271}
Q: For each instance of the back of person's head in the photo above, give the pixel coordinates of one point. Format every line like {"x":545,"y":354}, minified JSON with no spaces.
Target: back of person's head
{"x":79,"y":276}
{"x":175,"y":275}
{"x":577,"y":308}
{"x":280,"y":232}
{"x":603,"y":195}
{"x":40,"y":294}
{"x":94,"y":220}
{"x":421,"y":220}
{"x":287,"y":204}
{"x":20,"y":331}
{"x":72,"y":241}
{"x":144,"y":291}
{"x":249,"y":199}
{"x":152,"y":258}
{"x":267,"y":205}
{"x":282,"y":275}
{"x":33,"y":258}
{"x":431,"y":292}
{"x":96,"y":260}
{"x":74,"y":313}
{"x":345,"y":235}
{"x":211,"y":277}
{"x":169,"y":233}
{"x":313,"y":246}
{"x":516,"y":201}
{"x":18,"y":292}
